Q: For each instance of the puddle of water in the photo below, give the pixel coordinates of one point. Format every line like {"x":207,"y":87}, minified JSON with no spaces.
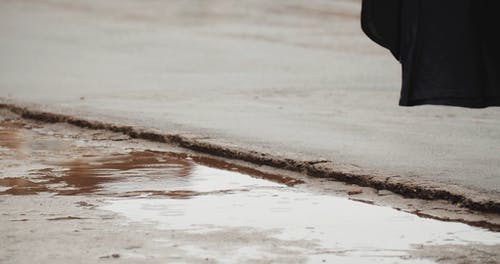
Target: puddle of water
{"x":122,"y":173}
{"x":131,"y":174}
{"x":200,"y":196}
{"x":339,"y":228}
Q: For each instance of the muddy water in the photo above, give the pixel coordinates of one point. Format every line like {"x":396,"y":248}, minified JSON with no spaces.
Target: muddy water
{"x":338,"y":229}
{"x":125,"y":173}
{"x":204,"y":197}
{"x":10,"y":137}
{"x":130,"y":174}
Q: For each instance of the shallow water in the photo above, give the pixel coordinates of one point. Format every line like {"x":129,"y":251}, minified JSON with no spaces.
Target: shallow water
{"x":338,"y":228}
{"x":204,"y":197}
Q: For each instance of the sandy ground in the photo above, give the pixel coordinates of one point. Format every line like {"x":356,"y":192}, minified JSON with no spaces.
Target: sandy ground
{"x":92,"y":196}
{"x":290,"y":78}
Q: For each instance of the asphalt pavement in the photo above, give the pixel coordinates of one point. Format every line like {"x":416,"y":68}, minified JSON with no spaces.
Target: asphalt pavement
{"x":292,"y":78}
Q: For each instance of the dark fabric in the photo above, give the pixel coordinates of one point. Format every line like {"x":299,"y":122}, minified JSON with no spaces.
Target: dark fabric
{"x":380,"y":21}
{"x":449,"y":49}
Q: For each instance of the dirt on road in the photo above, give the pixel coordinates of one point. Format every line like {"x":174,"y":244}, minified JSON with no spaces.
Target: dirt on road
{"x":85,"y":196}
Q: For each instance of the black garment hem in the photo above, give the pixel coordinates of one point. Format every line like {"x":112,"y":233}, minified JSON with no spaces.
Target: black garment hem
{"x":481,"y":102}
{"x":381,"y":23}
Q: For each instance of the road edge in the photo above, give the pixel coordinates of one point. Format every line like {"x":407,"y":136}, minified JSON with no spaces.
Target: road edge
{"x":421,"y":189}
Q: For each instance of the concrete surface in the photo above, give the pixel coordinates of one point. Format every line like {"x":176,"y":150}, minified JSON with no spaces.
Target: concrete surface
{"x":294,"y":78}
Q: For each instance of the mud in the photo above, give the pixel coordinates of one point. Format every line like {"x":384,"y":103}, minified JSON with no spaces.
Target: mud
{"x":145,"y":202}
{"x":408,"y":188}
{"x":87,"y":174}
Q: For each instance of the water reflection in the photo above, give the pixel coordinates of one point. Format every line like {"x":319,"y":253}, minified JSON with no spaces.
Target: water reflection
{"x":150,"y":173}
{"x":335,"y":229}
{"x":21,"y":186}
{"x":10,"y":136}
{"x":87,"y":175}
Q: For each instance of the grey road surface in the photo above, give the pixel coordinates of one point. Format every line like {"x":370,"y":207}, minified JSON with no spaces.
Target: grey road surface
{"x":294,"y":78}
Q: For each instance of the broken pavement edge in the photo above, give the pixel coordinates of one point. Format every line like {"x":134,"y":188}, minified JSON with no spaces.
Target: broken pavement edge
{"x":421,"y":189}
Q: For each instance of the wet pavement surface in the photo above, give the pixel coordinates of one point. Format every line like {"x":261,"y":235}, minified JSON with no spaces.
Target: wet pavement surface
{"x":68,"y":194}
{"x":293,"y":77}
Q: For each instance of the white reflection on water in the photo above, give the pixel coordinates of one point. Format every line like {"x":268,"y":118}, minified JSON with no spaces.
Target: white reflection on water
{"x":334,"y":224}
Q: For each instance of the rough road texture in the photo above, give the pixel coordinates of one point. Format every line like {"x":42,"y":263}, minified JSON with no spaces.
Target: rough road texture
{"x":407,"y":188}
{"x":72,"y":195}
{"x":292,"y":84}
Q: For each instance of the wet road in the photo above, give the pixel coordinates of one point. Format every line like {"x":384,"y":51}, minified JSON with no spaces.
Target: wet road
{"x":294,"y":78}
{"x":71,"y":195}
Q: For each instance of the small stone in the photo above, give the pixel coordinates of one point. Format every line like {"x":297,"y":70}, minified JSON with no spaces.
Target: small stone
{"x":354,"y":192}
